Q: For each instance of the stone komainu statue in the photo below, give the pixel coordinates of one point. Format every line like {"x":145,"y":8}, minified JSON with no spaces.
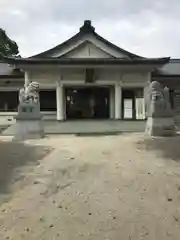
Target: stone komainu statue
{"x":157,"y":100}
{"x":28,"y":120}
{"x":160,"y":121}
{"x":30,"y":93}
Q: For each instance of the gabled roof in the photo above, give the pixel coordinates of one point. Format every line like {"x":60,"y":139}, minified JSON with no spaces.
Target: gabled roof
{"x":86,"y":29}
{"x":87,"y":49}
{"x":71,"y":52}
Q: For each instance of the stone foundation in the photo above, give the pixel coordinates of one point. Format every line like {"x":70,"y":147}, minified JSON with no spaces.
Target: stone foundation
{"x":160,"y":126}
{"x":28,"y":129}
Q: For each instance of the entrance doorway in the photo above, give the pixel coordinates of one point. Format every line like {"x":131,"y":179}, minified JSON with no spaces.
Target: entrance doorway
{"x":87,"y":103}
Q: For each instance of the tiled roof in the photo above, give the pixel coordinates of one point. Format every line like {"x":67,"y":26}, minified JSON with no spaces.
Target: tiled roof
{"x":170,"y":68}
{"x":87,"y":61}
{"x":7,"y":71}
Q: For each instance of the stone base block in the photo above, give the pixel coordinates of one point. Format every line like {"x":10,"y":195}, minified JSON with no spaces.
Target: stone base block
{"x":160,"y":126}
{"x":28,"y":129}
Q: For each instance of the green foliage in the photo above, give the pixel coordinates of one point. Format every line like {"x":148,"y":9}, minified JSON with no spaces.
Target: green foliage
{"x":8,"y":48}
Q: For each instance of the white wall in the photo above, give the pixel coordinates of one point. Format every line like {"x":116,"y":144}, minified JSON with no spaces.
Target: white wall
{"x":108,"y":74}
{"x":73,"y":74}
{"x":48,"y":78}
{"x":135,"y":79}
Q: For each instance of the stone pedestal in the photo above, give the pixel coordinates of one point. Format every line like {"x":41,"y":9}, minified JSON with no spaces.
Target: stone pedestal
{"x":28,"y":122}
{"x":28,"y":129}
{"x":160,"y":126}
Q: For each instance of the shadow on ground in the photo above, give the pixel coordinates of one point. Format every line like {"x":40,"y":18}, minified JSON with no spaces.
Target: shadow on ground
{"x":167,"y":147}
{"x":96,"y":134}
{"x":15,"y":155}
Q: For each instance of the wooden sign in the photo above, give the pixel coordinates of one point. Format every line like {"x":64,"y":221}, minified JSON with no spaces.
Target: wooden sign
{"x":89,"y":78}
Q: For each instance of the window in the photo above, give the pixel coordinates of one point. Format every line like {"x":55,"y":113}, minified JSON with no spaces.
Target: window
{"x":133,"y":104}
{"x":9,"y":101}
{"x":48,"y":100}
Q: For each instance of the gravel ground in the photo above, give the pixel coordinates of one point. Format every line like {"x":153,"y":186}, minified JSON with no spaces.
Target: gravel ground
{"x":97,"y":187}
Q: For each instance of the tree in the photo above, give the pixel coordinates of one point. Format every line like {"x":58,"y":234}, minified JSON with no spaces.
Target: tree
{"x":8,"y":48}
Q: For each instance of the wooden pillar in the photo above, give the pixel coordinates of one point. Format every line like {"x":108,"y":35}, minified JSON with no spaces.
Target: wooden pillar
{"x":60,"y":101}
{"x":26,"y":79}
{"x":112,"y":103}
{"x":118,"y":99}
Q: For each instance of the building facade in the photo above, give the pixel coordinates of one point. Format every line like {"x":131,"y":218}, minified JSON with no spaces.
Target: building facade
{"x":87,"y":77}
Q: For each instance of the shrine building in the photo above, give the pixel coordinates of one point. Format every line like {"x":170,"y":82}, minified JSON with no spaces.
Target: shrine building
{"x":88,"y":77}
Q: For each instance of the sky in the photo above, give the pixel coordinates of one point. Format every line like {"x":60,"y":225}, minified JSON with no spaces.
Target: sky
{"x":150,"y":28}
